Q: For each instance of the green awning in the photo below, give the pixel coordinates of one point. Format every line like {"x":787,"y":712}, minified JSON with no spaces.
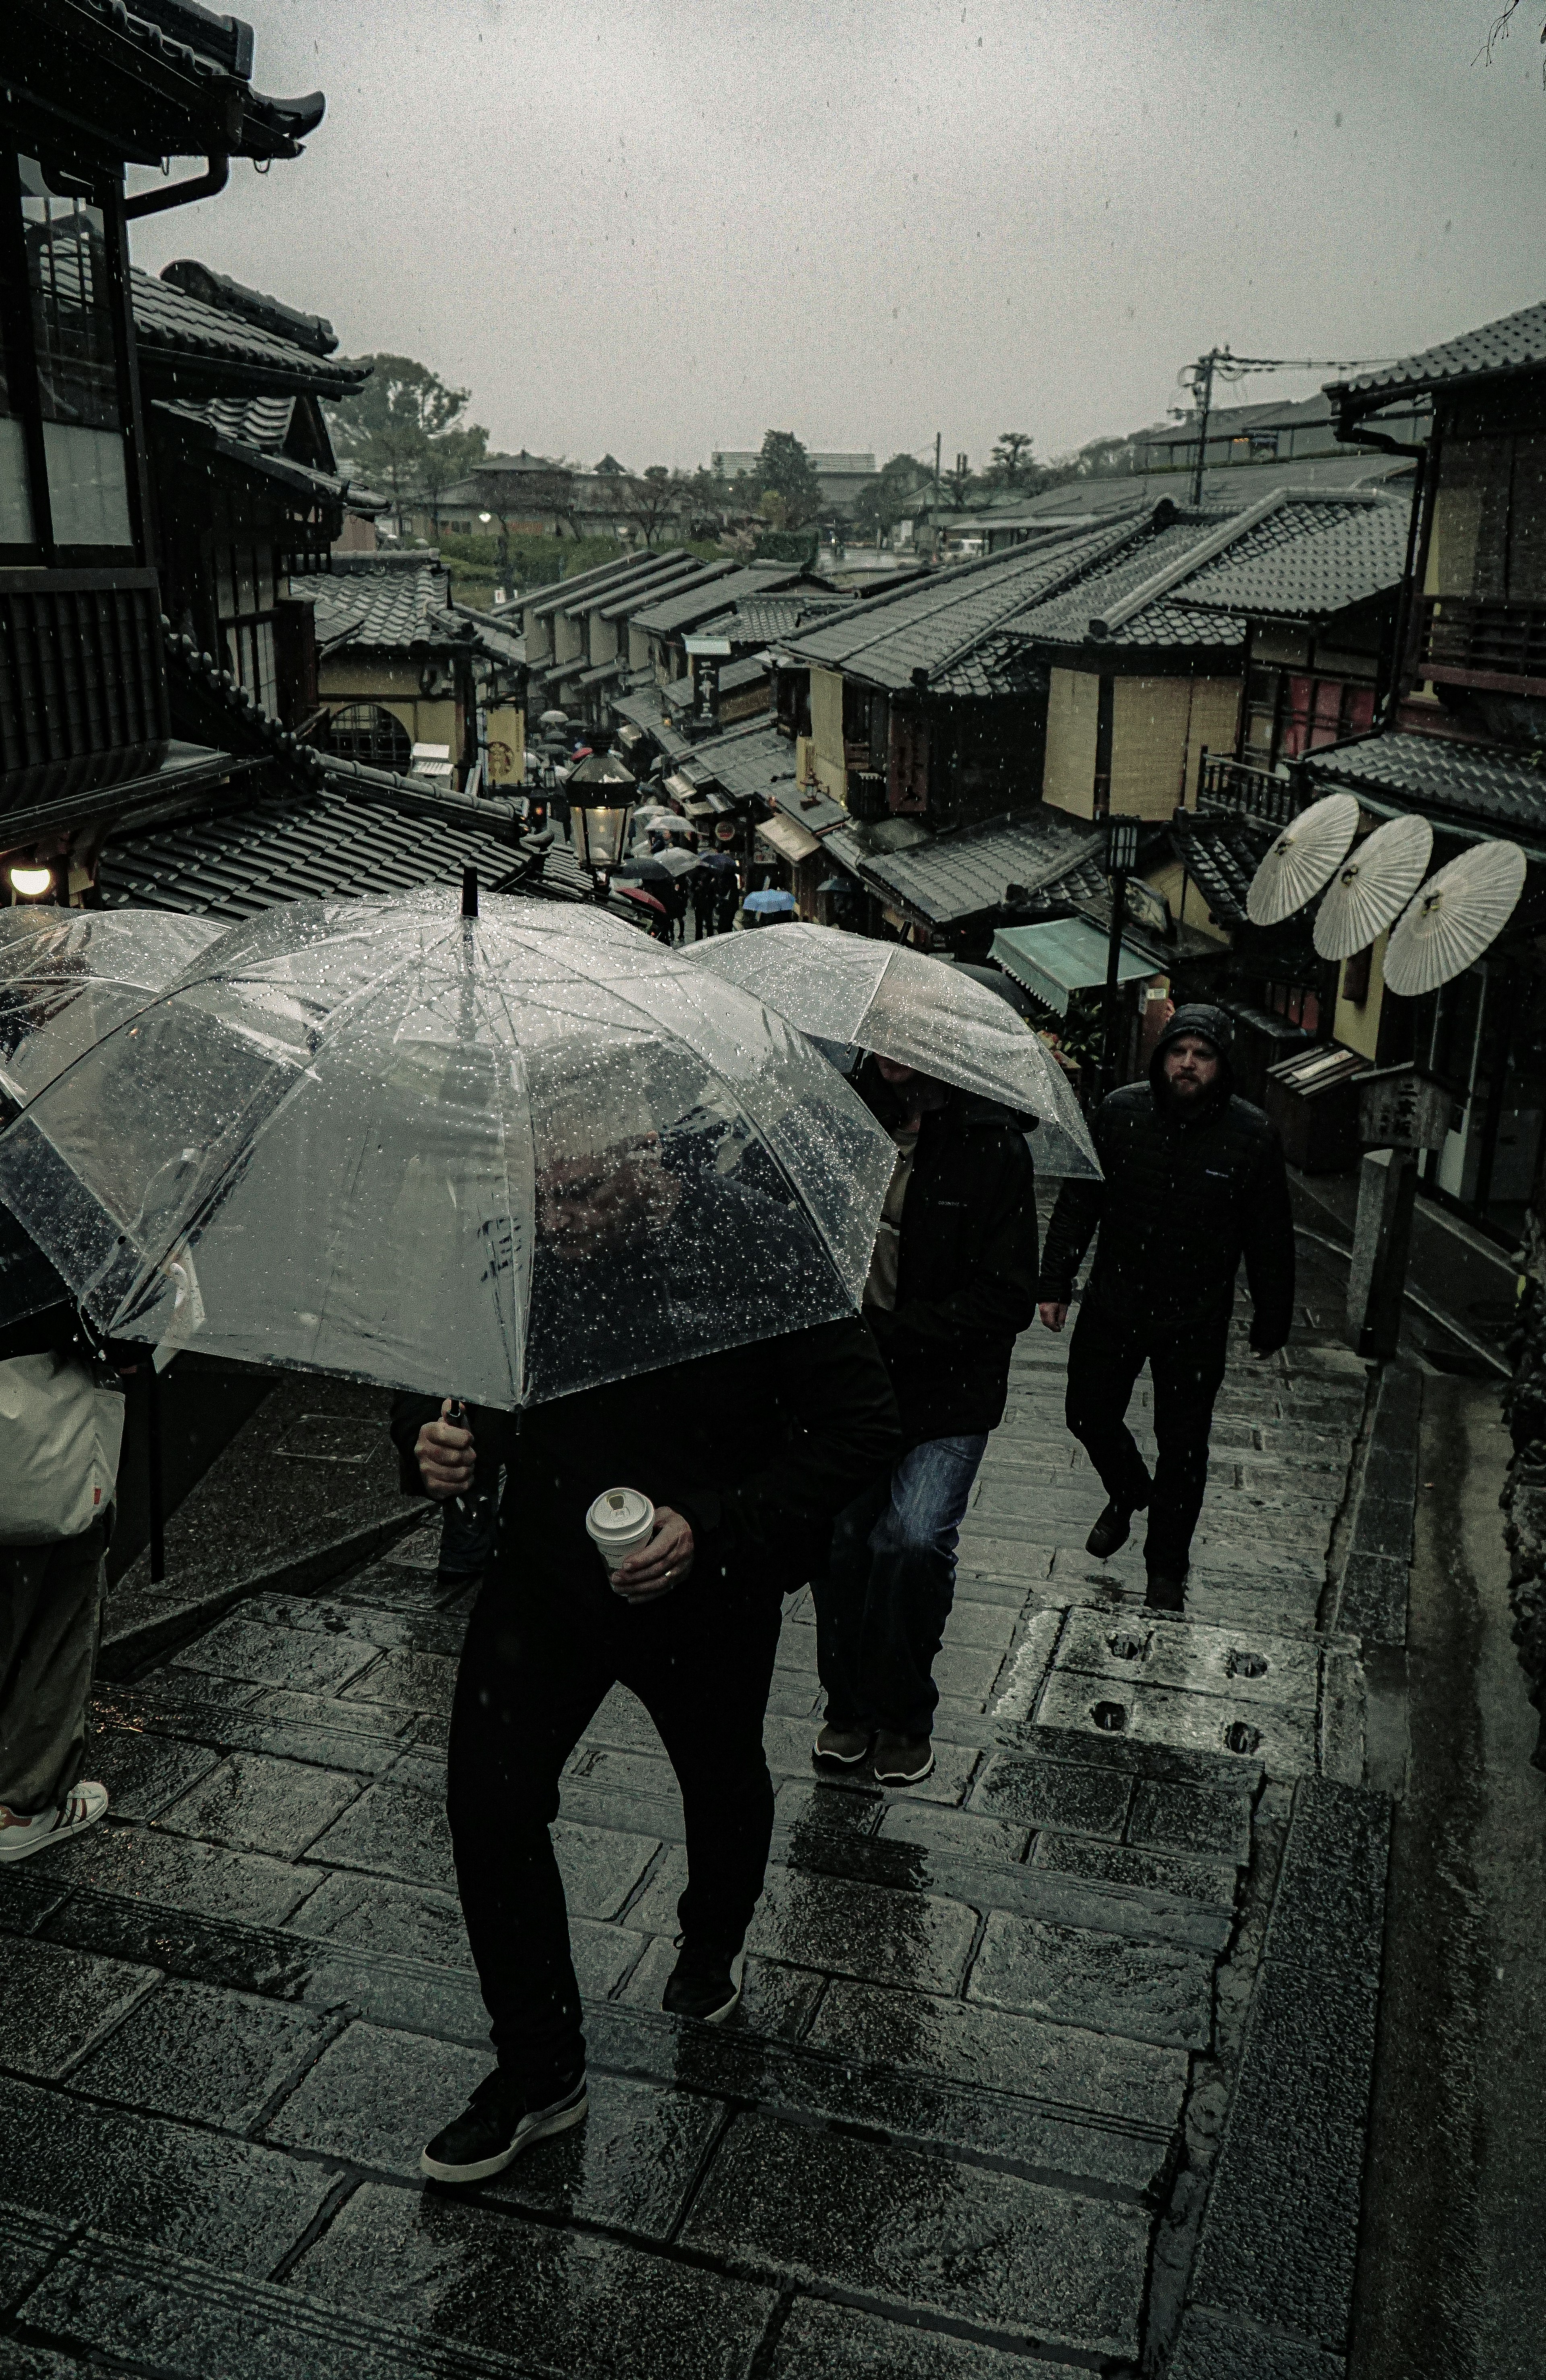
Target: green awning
{"x":1066,"y":955}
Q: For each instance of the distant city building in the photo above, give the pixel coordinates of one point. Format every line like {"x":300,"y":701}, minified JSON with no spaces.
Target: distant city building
{"x":841,"y":478}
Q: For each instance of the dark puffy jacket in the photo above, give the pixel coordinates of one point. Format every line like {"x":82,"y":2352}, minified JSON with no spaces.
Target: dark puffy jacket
{"x":1184,"y":1199}
{"x":758,"y":1448}
{"x":966,"y":1276}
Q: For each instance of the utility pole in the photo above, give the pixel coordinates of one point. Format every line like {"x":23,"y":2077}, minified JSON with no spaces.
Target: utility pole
{"x":938,"y":434}
{"x":1202,"y":389}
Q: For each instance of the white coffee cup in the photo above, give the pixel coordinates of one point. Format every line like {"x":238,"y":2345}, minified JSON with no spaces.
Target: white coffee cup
{"x":619,"y":1522}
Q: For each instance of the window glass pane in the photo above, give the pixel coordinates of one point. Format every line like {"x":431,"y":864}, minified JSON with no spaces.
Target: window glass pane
{"x":78,"y":372}
{"x":88,"y":489}
{"x":266,"y":680}
{"x":16,"y":500}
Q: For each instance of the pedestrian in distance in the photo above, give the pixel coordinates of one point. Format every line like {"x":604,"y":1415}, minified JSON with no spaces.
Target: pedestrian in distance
{"x":702,"y":891}
{"x":1194,"y":1181}
{"x":727,"y":900}
{"x":745,"y":1456}
{"x":952,"y":1283}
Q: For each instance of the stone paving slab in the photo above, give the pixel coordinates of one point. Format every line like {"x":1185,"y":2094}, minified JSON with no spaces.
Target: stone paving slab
{"x":1010,"y":2256}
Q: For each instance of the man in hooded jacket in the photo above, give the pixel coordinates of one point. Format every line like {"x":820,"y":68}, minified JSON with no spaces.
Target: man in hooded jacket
{"x":1194,"y":1181}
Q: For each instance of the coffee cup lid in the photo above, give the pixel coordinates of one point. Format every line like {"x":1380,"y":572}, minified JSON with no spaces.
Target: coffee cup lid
{"x":618,"y":1512}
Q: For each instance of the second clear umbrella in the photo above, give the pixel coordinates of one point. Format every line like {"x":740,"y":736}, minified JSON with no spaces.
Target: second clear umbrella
{"x":844,"y":989}
{"x":70,"y":976}
{"x":502,"y":1158}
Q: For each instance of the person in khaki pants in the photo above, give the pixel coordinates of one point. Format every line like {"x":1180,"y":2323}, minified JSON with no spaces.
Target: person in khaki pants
{"x":51,"y":1598}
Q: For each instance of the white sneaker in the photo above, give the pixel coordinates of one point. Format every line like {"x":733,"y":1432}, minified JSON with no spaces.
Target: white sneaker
{"x":21,"y":1837}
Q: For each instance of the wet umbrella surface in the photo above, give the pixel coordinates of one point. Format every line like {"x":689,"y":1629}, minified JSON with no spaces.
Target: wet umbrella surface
{"x":842,"y":989}
{"x":502,"y":1158}
{"x":70,"y":976}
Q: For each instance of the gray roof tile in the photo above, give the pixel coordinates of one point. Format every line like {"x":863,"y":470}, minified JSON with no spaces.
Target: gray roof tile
{"x":1515,"y":343}
{"x":684,"y":610}
{"x":169,"y":324}
{"x":884,"y":639}
{"x":959,"y":876}
{"x":752,"y":758}
{"x":1439,"y":773}
{"x":1342,"y":556}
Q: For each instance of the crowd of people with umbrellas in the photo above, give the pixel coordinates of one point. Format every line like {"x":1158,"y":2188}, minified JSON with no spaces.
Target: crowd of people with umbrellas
{"x":695,"y":1275}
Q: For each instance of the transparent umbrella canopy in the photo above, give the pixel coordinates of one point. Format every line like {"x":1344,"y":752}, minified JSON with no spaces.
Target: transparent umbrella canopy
{"x":499,"y":1158}
{"x":844,"y":988}
{"x":70,"y":976}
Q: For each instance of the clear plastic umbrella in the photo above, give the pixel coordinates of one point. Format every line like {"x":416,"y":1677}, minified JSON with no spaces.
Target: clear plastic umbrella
{"x":843,"y":989}
{"x":70,"y":976}
{"x":498,"y":1158}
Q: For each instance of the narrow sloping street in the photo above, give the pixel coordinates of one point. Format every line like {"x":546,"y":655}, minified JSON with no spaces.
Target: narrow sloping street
{"x":994,"y":2027}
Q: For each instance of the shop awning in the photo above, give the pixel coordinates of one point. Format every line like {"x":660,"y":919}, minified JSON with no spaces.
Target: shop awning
{"x":1064,"y":957}
{"x":790,"y":839}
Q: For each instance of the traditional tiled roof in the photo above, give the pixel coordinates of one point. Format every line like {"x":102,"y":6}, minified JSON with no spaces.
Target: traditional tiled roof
{"x":678,"y":570}
{"x":173,"y":329}
{"x":344,"y":841}
{"x":1064,"y":619}
{"x":1439,"y":775}
{"x":933,"y":626}
{"x":1515,"y":343}
{"x":302,"y":479}
{"x":1000,"y":666}
{"x":646,"y":572}
{"x":567,"y":592}
{"x":1345,"y":554}
{"x":751,"y":760}
{"x":255,"y":421}
{"x":768,"y":619}
{"x":958,"y":876}
{"x":184,"y":70}
{"x":644,"y":706}
{"x":390,"y":610}
{"x":751,"y":670}
{"x":683,"y":610}
{"x":1222,"y":854}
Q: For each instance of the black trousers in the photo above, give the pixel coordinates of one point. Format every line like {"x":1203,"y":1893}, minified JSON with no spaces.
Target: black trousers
{"x":1186,"y":1368}
{"x":535,"y":1668}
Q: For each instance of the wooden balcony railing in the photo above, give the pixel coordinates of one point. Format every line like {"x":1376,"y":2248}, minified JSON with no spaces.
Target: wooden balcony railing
{"x":1236,"y":788}
{"x":1498,"y":647}
{"x":82,"y":683}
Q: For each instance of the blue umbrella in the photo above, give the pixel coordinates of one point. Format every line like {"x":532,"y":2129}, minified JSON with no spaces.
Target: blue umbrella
{"x":769,"y":903}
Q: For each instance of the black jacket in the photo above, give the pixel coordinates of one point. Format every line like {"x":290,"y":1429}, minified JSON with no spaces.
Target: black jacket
{"x":1184,"y":1199}
{"x":758,"y":1448}
{"x":966,"y":1280}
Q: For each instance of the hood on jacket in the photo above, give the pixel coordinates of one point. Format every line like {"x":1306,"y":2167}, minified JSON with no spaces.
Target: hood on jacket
{"x":1208,"y":1024}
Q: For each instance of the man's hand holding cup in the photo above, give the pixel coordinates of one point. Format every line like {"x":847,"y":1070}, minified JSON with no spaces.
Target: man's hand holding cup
{"x":446,"y":1455}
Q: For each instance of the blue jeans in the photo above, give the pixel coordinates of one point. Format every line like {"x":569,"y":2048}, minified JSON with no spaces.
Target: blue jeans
{"x":883,"y":1603}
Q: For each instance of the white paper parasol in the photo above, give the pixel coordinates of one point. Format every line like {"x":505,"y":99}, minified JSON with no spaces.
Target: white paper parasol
{"x":1454,"y":918}
{"x":1375,"y":885}
{"x":1306,"y":855}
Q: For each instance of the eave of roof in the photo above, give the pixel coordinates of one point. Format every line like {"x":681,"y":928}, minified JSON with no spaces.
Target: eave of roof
{"x":1442,"y":777}
{"x":1515,"y":343}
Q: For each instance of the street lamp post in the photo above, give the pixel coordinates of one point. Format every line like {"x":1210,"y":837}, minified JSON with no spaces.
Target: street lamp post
{"x":1122,"y":853}
{"x":602,"y":793}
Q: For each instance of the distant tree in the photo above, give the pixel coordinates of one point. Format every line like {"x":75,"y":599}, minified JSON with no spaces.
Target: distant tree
{"x":650,"y":499}
{"x":708,"y":500}
{"x":896,"y":493}
{"x":454,"y":456}
{"x":1011,"y":468}
{"x":384,"y":429}
{"x":551,"y":492}
{"x":785,"y":469}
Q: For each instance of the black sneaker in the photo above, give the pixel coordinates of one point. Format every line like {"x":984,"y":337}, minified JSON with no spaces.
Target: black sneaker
{"x":494,"y":2127}
{"x":704,"y":1982}
{"x":1166,"y":1595}
{"x":1111,"y":1531}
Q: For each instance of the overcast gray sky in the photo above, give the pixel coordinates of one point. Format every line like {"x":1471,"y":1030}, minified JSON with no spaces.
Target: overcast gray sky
{"x":658,"y":226}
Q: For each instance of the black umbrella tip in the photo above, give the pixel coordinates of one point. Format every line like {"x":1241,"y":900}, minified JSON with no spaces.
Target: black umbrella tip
{"x":470,"y":891}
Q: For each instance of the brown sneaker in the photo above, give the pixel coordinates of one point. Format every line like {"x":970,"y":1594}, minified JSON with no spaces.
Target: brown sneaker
{"x":842,"y":1746}
{"x":903,"y":1760}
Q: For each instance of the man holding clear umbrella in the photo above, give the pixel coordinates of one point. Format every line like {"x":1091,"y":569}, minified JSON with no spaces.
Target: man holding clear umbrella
{"x":745,"y":1456}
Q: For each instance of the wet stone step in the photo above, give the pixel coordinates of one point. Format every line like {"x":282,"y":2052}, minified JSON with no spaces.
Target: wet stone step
{"x":253,"y":1652}
{"x":253,"y":1803}
{"x":375,"y":2097}
{"x":840,"y":2343}
{"x":1015,"y":2257}
{"x":539,"y":2296}
{"x":212,"y":2057}
{"x":177,"y":2186}
{"x":60,"y":2001}
{"x":1284,"y":1741}
{"x":927,"y":2109}
{"x":1254,"y":1667}
{"x":29,"y":2244}
{"x":1149,"y":1991}
{"x":135,"y":1862}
